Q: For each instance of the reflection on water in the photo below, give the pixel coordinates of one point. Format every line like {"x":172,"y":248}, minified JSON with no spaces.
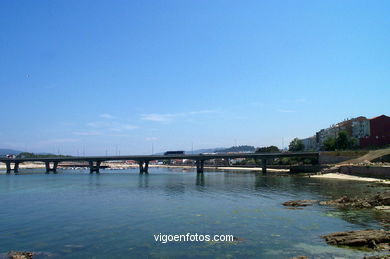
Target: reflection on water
{"x":116,"y":213}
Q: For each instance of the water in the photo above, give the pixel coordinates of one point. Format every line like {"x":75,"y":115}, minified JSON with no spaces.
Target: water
{"x":73,"y":214}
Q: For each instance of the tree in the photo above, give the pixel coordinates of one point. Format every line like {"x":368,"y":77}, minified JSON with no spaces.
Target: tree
{"x":329,"y":144}
{"x":342,"y":140}
{"x":296,"y":145}
{"x":270,"y":149}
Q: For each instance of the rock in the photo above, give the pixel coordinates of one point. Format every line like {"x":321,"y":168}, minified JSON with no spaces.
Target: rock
{"x":300,"y":257}
{"x":379,"y":199}
{"x":377,"y":257}
{"x":238,"y":239}
{"x":359,"y":238}
{"x":20,"y":255}
{"x":383,"y":208}
{"x":299,"y":203}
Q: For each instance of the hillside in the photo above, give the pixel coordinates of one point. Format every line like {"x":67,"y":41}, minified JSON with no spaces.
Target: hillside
{"x":5,"y":151}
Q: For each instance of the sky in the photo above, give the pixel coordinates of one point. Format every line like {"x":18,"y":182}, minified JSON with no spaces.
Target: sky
{"x":101,"y":77}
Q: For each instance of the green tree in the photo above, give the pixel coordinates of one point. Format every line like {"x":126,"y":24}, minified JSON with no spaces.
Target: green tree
{"x":330,"y":144}
{"x":342,"y":140}
{"x":270,"y":149}
{"x":296,"y":145}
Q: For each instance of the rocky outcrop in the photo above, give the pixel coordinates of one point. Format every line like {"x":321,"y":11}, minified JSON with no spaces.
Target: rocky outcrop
{"x":379,"y":199}
{"x":360,"y":238}
{"x":298,"y":203}
{"x":20,"y":255}
{"x":378,"y":257}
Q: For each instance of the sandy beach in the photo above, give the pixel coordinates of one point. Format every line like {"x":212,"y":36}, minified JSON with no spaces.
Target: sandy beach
{"x":27,"y":165}
{"x":349,"y":177}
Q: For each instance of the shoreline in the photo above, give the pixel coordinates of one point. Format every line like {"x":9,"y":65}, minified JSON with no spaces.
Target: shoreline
{"x":349,"y":177}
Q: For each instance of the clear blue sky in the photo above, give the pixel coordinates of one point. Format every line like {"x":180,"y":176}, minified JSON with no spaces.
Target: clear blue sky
{"x":126,"y":75}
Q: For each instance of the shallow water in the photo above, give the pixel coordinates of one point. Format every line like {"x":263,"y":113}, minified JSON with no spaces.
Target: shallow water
{"x":74,"y":214}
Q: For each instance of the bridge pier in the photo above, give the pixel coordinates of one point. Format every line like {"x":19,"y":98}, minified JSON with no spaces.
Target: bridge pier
{"x":51,"y":169}
{"x":200,"y":179}
{"x":8,"y":165}
{"x":94,"y":166}
{"x":226,"y":161}
{"x":264,"y":166}
{"x":199,"y":166}
{"x":143,"y":167}
{"x":9,"y":168}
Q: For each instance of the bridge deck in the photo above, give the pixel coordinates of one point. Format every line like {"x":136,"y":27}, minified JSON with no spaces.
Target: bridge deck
{"x":162,"y":157}
{"x":143,"y":161}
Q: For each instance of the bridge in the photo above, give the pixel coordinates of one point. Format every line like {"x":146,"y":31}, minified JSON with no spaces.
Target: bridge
{"x":94,"y":162}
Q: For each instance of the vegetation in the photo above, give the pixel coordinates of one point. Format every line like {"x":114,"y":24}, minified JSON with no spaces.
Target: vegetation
{"x":278,"y":161}
{"x":270,"y":149}
{"x":295,"y":161}
{"x":342,"y":142}
{"x":329,"y":144}
{"x":32,"y":155}
{"x":296,"y":145}
{"x":243,"y":148}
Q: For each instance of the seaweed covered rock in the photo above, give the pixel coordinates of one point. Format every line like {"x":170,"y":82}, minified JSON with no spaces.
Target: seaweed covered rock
{"x":298,"y":203}
{"x":379,"y":199}
{"x":377,"y":257}
{"x":360,"y":238}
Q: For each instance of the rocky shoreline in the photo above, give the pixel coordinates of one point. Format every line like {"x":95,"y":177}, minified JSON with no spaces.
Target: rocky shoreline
{"x":368,"y":238}
{"x":376,"y":240}
{"x":378,"y":201}
{"x":374,"y":201}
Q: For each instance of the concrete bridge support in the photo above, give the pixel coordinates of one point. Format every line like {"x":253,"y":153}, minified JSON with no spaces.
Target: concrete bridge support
{"x":199,"y":166}
{"x":94,"y":166}
{"x":226,"y":162}
{"x":9,"y":168}
{"x":200,"y":179}
{"x":264,"y":166}
{"x":143,"y":167}
{"x":51,"y":169}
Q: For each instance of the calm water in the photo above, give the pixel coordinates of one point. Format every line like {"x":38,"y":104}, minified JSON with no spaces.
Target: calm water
{"x":115,"y":214}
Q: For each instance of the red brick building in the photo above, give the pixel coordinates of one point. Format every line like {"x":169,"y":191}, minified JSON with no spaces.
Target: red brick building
{"x":379,"y":132}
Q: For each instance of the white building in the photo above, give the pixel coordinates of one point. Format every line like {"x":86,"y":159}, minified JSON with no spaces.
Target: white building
{"x":310,"y":143}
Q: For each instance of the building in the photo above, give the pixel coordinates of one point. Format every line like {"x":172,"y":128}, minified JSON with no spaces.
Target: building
{"x":379,"y":132}
{"x":368,"y":132}
{"x":356,"y":127}
{"x":360,"y":128}
{"x":310,"y":143}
